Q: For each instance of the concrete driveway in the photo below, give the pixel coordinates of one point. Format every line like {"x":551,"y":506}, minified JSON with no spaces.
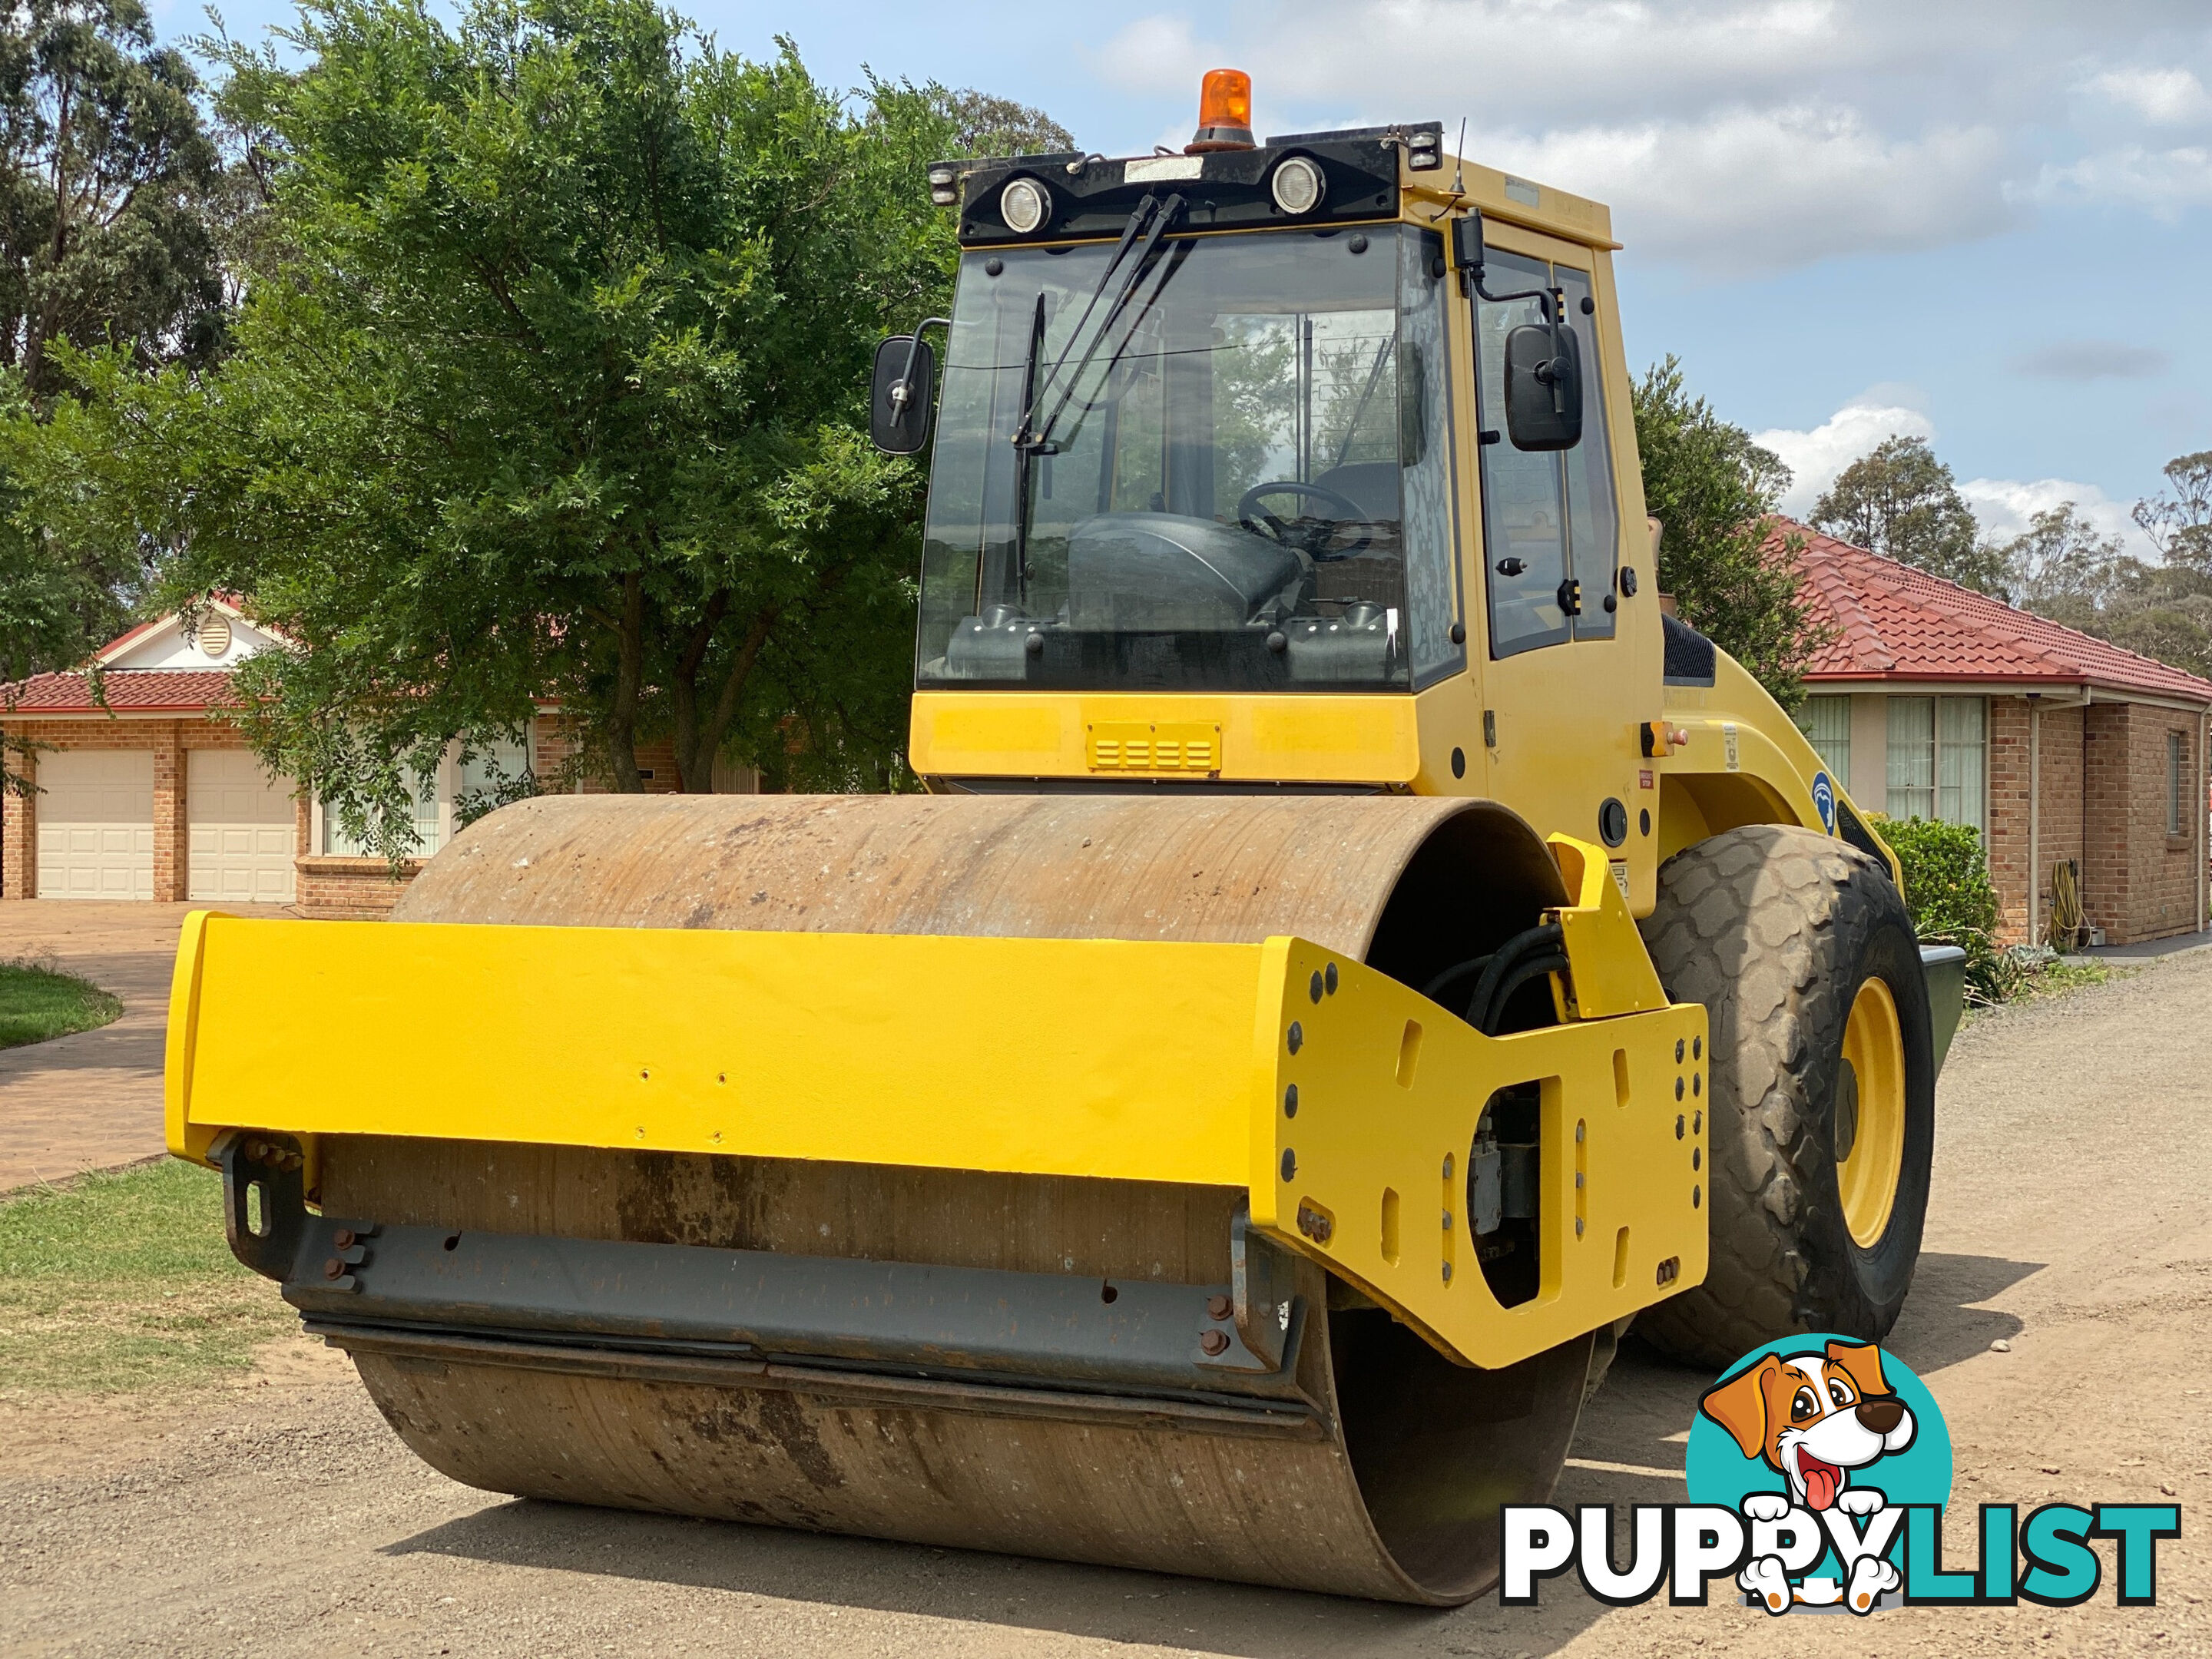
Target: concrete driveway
{"x":94,"y":1100}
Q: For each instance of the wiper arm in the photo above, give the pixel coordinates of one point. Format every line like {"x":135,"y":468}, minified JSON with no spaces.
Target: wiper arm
{"x":1374,"y":379}
{"x":1148,"y":220}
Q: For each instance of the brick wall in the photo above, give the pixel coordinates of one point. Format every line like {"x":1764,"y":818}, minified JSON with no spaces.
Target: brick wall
{"x":2103,"y":782}
{"x":2064,"y":819}
{"x":331,"y":889}
{"x":2010,"y":786}
{"x":2137,"y":881}
{"x":171,"y":742}
{"x":2013,"y":783}
{"x":557,"y":740}
{"x":18,"y":832}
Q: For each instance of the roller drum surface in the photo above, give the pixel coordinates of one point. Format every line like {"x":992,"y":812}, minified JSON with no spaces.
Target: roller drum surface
{"x":1391,"y":1491}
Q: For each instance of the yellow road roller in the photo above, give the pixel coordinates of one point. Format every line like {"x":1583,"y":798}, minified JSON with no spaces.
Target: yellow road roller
{"x":1355,"y":952}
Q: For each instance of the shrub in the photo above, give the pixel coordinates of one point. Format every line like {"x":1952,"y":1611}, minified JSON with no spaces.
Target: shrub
{"x":1952,"y":900}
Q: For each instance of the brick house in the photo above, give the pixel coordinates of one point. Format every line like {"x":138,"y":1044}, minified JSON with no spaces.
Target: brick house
{"x":154,"y":795}
{"x":1932,"y":700}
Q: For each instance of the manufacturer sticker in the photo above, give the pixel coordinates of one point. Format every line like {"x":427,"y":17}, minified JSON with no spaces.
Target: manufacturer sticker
{"x":1824,"y":801}
{"x":1727,"y":744}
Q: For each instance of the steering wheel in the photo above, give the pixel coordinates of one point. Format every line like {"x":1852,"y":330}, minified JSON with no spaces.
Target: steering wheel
{"x":1249,"y":510}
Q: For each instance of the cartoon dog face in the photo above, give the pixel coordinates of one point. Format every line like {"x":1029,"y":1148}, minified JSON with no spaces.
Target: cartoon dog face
{"x":1814,"y":1418}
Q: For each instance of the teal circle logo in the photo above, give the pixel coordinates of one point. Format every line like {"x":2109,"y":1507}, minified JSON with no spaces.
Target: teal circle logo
{"x":1830,"y":1429}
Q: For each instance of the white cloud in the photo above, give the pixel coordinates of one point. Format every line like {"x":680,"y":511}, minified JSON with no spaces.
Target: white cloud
{"x":2163,"y":182}
{"x":2164,"y":97}
{"x":1570,"y":61}
{"x":1749,"y":190}
{"x":1814,"y":458}
{"x":2004,"y":506}
{"x":1740,"y":134}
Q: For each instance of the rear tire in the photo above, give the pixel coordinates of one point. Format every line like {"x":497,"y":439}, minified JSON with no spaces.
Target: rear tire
{"x":1777,"y":930}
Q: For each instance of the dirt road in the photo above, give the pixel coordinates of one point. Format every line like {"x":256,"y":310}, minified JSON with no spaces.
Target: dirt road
{"x":2074,"y":1161}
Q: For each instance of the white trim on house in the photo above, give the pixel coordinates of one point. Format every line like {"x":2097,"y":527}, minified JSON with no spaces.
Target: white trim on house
{"x":167,"y":644}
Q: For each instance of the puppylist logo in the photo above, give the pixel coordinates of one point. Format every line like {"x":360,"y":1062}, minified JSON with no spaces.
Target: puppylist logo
{"x":1818,"y":1470}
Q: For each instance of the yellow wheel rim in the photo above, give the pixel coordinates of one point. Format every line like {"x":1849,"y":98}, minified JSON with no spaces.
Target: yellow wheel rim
{"x":1870,"y":1113}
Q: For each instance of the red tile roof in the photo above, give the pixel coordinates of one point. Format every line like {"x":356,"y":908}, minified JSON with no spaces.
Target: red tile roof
{"x":131,"y":690}
{"x":1892,"y":621}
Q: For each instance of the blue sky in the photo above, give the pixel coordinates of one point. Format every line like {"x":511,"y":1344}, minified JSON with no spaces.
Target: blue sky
{"x":1987,"y":224}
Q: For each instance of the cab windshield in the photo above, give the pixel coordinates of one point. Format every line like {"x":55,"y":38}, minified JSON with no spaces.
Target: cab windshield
{"x":1234,"y":473}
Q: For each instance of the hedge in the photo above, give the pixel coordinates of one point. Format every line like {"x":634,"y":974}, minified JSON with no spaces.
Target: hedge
{"x":1952,"y":899}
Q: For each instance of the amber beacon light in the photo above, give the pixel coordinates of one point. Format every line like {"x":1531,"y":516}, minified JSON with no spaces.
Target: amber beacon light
{"x":1225,"y":112}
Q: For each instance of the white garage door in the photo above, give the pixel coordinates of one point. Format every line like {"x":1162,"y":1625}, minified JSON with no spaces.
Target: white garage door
{"x":242,"y":829}
{"x":95,"y":816}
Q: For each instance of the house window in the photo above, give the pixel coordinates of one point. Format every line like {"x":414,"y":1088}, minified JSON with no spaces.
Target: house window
{"x":429,"y":819}
{"x":1827,"y":724}
{"x":2174,"y":770}
{"x":1938,"y":759}
{"x":463,"y":788}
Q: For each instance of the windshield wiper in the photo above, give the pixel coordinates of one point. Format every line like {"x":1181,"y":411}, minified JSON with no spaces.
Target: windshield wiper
{"x":1148,"y":222}
{"x":1374,"y":379}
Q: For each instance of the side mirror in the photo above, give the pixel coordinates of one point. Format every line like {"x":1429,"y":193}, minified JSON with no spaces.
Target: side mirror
{"x":1543,"y":388}
{"x":901,"y":399}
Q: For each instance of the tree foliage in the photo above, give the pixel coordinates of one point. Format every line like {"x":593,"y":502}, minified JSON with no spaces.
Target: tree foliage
{"x":104,"y":236}
{"x":555,"y":384}
{"x":105,"y":172}
{"x":1902,"y":502}
{"x":2178,"y":520}
{"x":1714,"y":491}
{"x":985,"y":125}
{"x":2062,"y":568}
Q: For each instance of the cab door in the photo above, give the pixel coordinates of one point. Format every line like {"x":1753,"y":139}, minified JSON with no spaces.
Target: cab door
{"x":1560,"y":670}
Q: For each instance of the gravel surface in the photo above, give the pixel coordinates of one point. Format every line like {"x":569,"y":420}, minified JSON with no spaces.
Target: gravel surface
{"x":278,"y":1516}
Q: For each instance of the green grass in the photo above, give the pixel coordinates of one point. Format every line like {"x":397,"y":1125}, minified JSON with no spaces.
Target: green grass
{"x":37,"y":1003}
{"x":122,"y":1281}
{"x":2056,"y":978}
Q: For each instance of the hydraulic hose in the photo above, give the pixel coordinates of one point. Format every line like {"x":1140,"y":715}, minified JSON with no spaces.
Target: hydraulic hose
{"x":1500,"y":974}
{"x":1485,"y":1019}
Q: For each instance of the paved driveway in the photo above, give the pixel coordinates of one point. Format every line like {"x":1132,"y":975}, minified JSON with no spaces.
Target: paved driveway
{"x":94,"y":1100}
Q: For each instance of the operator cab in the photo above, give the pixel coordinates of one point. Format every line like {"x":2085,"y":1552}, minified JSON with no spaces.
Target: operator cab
{"x":1194,"y":431}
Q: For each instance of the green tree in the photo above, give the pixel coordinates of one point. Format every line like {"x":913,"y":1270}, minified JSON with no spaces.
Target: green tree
{"x":1902,"y":502}
{"x":1714,"y":491}
{"x":2061,"y":568}
{"x":106,"y":169}
{"x":2179,"y":521}
{"x":556,"y":385}
{"x":985,"y":125}
{"x":104,"y":237}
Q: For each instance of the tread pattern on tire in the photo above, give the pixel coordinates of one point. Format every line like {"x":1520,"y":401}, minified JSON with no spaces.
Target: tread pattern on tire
{"x":1752,"y":923}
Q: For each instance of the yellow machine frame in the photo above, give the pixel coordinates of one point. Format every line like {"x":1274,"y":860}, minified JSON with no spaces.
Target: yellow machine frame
{"x":1339,"y":1100}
